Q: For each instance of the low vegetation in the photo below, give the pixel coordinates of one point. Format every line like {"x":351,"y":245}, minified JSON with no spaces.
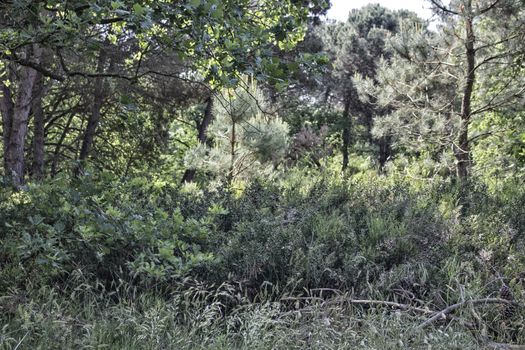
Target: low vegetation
{"x":311,"y":260}
{"x":239,"y":174}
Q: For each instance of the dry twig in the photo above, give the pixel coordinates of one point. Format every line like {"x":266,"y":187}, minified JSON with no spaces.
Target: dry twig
{"x":443,"y":313}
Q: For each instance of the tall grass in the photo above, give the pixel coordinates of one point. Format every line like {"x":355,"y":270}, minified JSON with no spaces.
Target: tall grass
{"x":105,"y":264}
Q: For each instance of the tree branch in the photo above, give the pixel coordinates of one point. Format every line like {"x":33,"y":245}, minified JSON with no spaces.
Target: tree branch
{"x":442,"y":7}
{"x":440,"y":315}
{"x":504,"y":346}
{"x":34,"y":65}
{"x":488,"y":8}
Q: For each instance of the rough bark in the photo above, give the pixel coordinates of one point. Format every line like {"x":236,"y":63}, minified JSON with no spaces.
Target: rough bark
{"x":18,"y":121}
{"x":233,"y":153}
{"x":384,"y":151}
{"x":462,"y":151}
{"x":346,"y":133}
{"x":369,"y":121}
{"x":7,"y":109}
{"x":202,"y":136}
{"x":326,"y":95}
{"x":37,"y":170}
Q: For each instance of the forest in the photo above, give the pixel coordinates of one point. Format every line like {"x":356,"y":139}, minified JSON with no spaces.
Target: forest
{"x":249,"y":174}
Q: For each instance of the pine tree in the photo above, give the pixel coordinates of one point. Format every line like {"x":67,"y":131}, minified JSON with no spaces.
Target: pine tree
{"x":437,"y":83}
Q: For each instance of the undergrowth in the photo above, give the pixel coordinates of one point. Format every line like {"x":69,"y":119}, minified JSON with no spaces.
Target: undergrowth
{"x":310,"y":261}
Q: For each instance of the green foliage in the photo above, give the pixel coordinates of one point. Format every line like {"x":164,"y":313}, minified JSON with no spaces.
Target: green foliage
{"x":194,"y":30}
{"x":107,"y":229}
{"x":192,"y":319}
{"x":500,"y":148}
{"x":248,"y":139}
{"x":272,"y":246}
{"x":212,"y":266}
{"x":331,"y":234}
{"x":423,"y":85}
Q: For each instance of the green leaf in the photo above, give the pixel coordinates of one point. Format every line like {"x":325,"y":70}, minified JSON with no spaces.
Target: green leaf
{"x":194,"y":3}
{"x":139,"y":10}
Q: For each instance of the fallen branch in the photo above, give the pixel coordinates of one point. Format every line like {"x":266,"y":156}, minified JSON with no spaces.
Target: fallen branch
{"x":389,"y":303}
{"x":503,"y":346}
{"x":362,"y":302}
{"x":378,"y":302}
{"x":443,"y":313}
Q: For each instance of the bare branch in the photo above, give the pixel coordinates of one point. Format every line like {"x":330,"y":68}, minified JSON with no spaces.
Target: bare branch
{"x":491,"y":106}
{"x":31,"y":64}
{"x":443,"y":8}
{"x":488,"y":8}
{"x":504,"y":346}
{"x":496,"y":43}
{"x":443,"y":313}
{"x":492,"y":58}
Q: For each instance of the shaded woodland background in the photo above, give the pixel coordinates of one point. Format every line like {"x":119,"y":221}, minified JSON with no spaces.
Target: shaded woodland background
{"x":246,"y":174}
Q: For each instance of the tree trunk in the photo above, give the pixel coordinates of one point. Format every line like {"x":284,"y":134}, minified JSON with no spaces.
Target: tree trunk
{"x":99,"y":93}
{"x":346,"y":133}
{"x":17,"y":122}
{"x":384,"y":151}
{"x":462,"y":151}
{"x":326,"y":95}
{"x":369,"y":121}
{"x":7,"y":109}
{"x":233,"y":142}
{"x":56,"y":153}
{"x":202,"y":136}
{"x":39,"y":131}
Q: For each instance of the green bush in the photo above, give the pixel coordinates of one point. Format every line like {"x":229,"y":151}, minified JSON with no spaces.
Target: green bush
{"x":110,"y":229}
{"x":160,"y":264}
{"x":333,"y":235}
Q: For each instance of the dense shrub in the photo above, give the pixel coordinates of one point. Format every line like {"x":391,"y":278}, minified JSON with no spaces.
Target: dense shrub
{"x":220,"y":256}
{"x":109,"y":229}
{"x":329,"y":232}
{"x":334,"y":235}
